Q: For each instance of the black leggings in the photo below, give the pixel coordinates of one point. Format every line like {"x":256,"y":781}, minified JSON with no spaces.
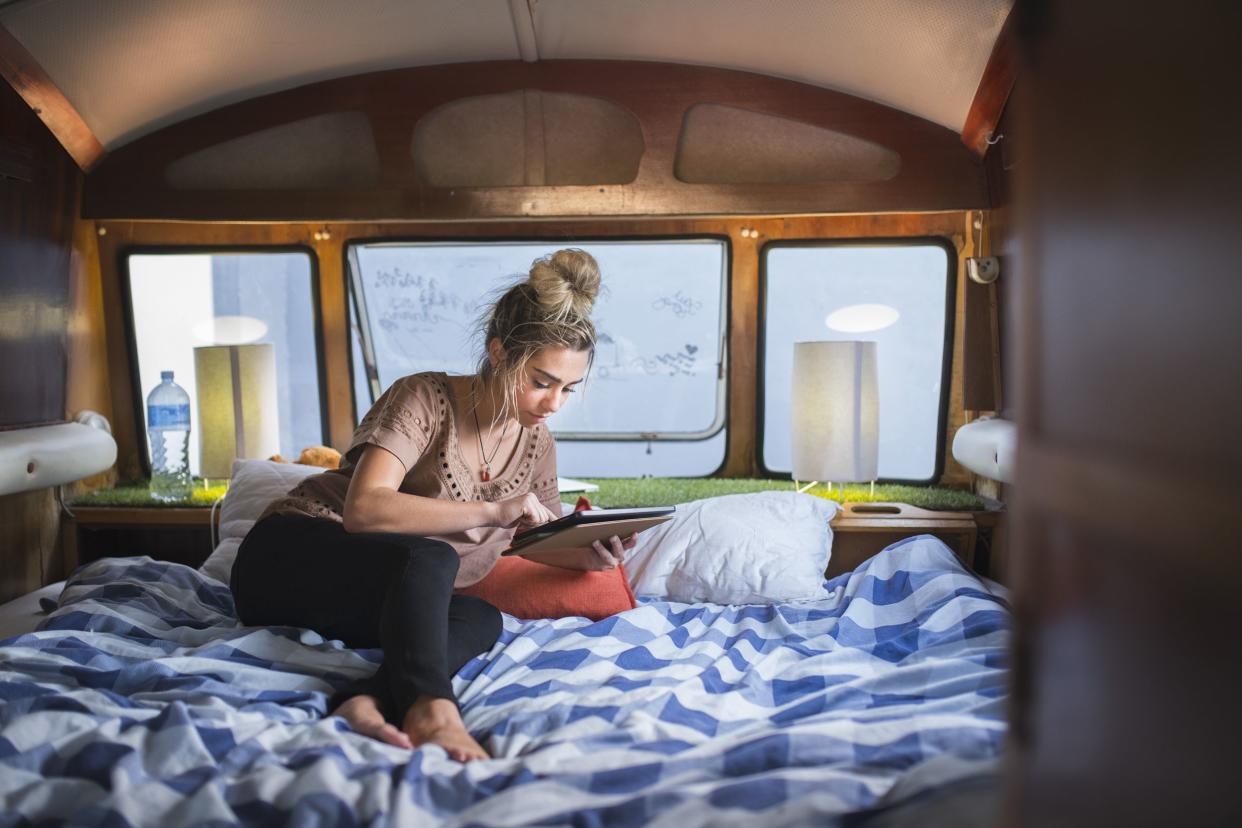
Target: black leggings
{"x":368,"y":590}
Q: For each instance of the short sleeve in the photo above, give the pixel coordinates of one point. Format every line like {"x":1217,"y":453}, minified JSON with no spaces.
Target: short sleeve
{"x":404,"y":420}
{"x":543,"y":478}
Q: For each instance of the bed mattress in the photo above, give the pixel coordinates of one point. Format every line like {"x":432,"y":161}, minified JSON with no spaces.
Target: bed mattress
{"x":141,"y":700}
{"x":22,"y":615}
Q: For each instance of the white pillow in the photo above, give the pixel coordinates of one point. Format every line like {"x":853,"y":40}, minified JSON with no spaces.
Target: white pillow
{"x":254,"y":484}
{"x":759,"y":548}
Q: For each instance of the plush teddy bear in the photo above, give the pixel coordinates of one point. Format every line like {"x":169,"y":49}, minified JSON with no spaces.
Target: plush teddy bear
{"x":323,"y":456}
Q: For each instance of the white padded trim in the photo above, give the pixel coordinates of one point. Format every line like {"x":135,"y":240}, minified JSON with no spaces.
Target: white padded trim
{"x":46,"y":456}
{"x":987,"y":447}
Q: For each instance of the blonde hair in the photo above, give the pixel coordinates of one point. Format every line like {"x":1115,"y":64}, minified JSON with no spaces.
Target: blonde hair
{"x":551,"y":308}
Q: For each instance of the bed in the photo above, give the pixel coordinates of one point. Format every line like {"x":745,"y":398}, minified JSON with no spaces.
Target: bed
{"x":141,"y":700}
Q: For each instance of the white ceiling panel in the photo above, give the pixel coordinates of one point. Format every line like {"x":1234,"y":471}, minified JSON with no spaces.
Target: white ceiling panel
{"x":923,"y":56}
{"x":132,"y":66}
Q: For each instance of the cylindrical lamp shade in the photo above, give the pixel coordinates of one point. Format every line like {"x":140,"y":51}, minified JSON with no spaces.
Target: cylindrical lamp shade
{"x":237,"y":407}
{"x":835,"y":408}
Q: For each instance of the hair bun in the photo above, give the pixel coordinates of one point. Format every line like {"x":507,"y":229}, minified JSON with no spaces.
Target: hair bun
{"x":565,"y":283}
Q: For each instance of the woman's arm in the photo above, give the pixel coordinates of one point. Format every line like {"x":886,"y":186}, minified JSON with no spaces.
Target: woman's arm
{"x":374,"y":504}
{"x":601,"y":555}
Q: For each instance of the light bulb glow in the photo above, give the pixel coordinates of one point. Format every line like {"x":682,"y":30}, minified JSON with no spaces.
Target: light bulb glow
{"x":230,"y":330}
{"x":862,"y":318}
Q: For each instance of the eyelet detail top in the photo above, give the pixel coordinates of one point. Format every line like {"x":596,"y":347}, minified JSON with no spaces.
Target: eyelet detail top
{"x":414,"y":421}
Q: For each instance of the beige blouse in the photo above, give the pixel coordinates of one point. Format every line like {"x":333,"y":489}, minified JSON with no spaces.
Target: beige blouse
{"x":414,"y":420}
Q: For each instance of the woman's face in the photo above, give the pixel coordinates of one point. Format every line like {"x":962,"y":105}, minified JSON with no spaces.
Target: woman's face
{"x":551,"y":376}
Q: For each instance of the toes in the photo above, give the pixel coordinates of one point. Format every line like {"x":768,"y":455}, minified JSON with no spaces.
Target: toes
{"x":393,"y":736}
{"x":464,"y":756}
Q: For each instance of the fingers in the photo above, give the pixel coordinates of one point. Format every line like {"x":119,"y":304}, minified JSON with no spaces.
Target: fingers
{"x":538,"y":512}
{"x":533,"y":511}
{"x":618,"y":548}
{"x":608,"y":559}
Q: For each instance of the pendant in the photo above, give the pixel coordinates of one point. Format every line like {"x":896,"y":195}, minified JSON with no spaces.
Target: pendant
{"x":485,"y":473}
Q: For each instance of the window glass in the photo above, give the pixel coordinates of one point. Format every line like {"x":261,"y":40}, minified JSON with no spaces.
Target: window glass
{"x":896,"y":295}
{"x":655,"y":401}
{"x":180,"y":301}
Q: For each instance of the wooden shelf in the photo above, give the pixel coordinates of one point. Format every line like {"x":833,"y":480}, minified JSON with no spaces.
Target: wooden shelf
{"x":862,"y":529}
{"x":94,"y":516}
{"x":181,"y":534}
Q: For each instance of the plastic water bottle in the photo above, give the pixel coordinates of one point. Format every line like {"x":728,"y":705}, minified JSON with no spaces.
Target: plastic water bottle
{"x":168,"y":429}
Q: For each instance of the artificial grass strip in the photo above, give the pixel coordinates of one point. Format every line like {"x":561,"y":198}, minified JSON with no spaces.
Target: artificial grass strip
{"x":617,"y":493}
{"x":614,"y":493}
{"x":135,"y":493}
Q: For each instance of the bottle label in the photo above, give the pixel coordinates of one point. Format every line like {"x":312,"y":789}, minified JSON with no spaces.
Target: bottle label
{"x":168,"y":416}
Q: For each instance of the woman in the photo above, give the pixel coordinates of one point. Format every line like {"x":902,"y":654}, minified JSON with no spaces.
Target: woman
{"x":439,"y":475}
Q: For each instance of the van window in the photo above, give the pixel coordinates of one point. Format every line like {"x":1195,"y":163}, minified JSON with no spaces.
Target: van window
{"x":897,"y":295}
{"x":655,"y":401}
{"x":179,"y":301}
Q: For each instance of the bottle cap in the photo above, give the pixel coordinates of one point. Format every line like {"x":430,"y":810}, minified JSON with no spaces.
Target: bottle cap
{"x":166,"y":376}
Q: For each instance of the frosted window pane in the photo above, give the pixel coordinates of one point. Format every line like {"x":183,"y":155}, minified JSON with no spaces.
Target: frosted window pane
{"x":660,"y":318}
{"x":804,"y":286}
{"x":175,"y":299}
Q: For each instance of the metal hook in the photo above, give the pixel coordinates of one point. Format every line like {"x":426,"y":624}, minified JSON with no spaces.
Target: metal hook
{"x":994,"y":138}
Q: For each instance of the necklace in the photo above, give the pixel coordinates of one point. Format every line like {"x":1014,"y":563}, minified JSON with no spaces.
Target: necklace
{"x":485,"y":467}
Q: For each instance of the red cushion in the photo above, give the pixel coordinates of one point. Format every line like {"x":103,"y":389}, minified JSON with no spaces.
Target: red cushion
{"x":526,"y":589}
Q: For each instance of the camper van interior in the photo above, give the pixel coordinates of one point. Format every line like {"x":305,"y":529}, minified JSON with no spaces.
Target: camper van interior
{"x":922,"y":315}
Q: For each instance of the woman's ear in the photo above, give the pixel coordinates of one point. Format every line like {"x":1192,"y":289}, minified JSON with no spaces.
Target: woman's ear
{"x":495,"y":352}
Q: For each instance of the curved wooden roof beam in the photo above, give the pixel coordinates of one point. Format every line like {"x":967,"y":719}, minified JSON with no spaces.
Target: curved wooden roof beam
{"x":994,"y":88}
{"x":27,"y":77}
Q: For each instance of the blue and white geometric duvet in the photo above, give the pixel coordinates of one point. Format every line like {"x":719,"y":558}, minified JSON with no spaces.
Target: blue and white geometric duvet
{"x":141,"y":701}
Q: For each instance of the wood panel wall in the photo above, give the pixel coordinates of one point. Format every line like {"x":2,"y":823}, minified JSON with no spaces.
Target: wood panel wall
{"x":32,"y":549}
{"x":1128,"y":398}
{"x":741,"y":454}
{"x":937,"y":172}
{"x":38,"y":189}
{"x":39,"y":302}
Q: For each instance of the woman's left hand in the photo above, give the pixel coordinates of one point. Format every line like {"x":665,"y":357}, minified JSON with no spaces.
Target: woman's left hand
{"x":612,"y":553}
{"x":598,"y":557}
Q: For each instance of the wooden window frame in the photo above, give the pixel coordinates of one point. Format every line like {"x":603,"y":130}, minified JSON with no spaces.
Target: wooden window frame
{"x":746,"y":235}
{"x":137,"y":400}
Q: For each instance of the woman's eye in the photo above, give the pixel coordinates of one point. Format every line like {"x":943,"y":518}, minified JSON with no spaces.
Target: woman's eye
{"x":541,"y":385}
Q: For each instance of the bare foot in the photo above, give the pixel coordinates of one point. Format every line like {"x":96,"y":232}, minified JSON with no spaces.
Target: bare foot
{"x":438,"y":721}
{"x":364,"y":716}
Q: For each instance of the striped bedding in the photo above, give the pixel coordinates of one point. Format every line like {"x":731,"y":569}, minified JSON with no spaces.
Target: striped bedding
{"x":141,"y":701}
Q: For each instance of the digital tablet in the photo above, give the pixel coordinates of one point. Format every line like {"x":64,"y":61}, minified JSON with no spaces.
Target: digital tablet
{"x":585,"y":527}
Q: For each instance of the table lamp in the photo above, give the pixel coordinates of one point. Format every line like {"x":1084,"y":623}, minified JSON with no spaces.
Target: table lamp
{"x":237,"y":405}
{"x":835,"y":408}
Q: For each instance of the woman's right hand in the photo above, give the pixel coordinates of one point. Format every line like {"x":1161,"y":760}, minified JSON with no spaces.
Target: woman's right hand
{"x":523,"y":511}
